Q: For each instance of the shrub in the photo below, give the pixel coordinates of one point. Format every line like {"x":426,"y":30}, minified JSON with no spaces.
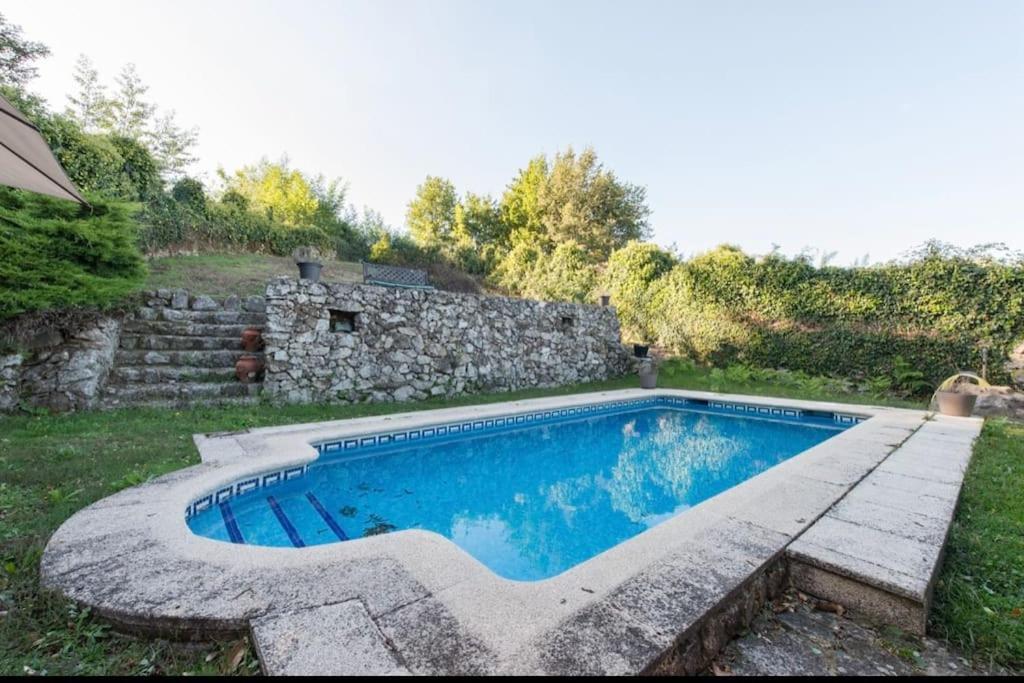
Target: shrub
{"x":57,"y":254}
{"x":627,"y":278}
{"x":913,"y":323}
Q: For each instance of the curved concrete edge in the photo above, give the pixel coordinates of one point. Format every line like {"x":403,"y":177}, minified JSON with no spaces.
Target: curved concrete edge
{"x":133,"y":560}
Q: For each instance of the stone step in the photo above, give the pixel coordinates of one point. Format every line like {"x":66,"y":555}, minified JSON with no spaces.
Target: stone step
{"x":181,"y":328}
{"x":167,"y":342}
{"x":210,"y":317}
{"x":185,"y":392}
{"x":163,"y":374}
{"x":113,"y":403}
{"x":196,"y":359}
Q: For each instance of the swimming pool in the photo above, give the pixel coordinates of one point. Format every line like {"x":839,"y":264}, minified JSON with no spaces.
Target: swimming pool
{"x":530,"y":497}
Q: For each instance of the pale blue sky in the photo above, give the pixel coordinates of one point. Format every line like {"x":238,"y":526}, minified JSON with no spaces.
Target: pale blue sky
{"x":858,"y":127}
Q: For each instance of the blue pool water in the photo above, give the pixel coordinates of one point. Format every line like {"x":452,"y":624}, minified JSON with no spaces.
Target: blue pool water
{"x":529,"y":503}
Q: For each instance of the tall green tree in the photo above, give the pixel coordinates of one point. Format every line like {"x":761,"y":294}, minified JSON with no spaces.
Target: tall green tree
{"x":478,"y":220}
{"x":520,"y":204}
{"x":431,"y":214}
{"x":280,"y":192}
{"x":89,"y":105}
{"x":582,"y":201}
{"x":172,"y":146}
{"x":130,"y":113}
{"x":18,"y":55}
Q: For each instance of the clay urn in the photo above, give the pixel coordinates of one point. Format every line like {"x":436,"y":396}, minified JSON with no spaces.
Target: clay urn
{"x":252,"y":339}
{"x":248,"y":368}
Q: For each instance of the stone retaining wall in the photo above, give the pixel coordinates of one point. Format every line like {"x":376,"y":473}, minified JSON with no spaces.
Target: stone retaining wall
{"x":65,"y":372}
{"x":410,"y":344}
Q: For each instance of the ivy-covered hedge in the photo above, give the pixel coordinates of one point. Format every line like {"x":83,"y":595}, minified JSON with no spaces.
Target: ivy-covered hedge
{"x":937,"y":312}
{"x":55,"y":254}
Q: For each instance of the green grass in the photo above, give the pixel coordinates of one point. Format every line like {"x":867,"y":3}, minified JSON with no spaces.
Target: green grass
{"x":51,"y":466}
{"x":979,"y":599}
{"x":241,"y":274}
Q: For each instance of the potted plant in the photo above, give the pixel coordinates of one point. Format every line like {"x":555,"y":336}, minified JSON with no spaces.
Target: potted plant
{"x":954,"y":399}
{"x":648,"y":372}
{"x":309,"y":261}
{"x":605,"y":299}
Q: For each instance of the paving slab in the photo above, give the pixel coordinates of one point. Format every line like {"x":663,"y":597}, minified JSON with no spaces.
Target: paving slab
{"x":880,"y":547}
{"x":340,"y":638}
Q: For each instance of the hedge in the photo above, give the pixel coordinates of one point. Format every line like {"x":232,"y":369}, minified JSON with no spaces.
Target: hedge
{"x":940,"y":313}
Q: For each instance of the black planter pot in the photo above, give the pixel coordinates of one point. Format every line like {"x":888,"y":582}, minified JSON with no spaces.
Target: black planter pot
{"x":310,"y":271}
{"x":640,"y":350}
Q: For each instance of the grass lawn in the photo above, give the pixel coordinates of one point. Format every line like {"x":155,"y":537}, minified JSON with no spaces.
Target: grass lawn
{"x":241,"y":274}
{"x":979,"y":600}
{"x":52,"y":466}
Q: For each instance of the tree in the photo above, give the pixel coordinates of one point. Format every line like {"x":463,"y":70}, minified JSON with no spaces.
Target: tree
{"x":520,"y":205}
{"x":130,"y":114}
{"x":583,"y":202}
{"x":431,"y":213}
{"x":90,"y":106}
{"x":18,"y":55}
{"x":172,"y":146}
{"x":478,"y":220}
{"x":281,"y":193}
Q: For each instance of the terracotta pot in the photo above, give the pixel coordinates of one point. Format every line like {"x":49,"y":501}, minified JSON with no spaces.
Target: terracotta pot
{"x":252,"y":339}
{"x":248,"y":368}
{"x":956,"y":404}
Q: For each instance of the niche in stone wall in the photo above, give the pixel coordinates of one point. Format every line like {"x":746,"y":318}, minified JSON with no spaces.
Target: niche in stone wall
{"x":342,"y":321}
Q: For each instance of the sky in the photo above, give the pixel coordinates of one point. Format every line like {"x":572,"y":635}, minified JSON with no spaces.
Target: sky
{"x":860,"y":127}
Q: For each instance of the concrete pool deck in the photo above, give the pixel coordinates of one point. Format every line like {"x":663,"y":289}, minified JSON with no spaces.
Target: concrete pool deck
{"x":411,"y":601}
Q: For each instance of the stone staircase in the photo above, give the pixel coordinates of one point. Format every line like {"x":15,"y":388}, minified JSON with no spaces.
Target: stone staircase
{"x":180,"y":351}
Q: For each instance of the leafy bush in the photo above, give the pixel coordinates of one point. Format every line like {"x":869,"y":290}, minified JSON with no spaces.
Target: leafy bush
{"x":57,"y":254}
{"x":909,"y":324}
{"x":627,"y":278}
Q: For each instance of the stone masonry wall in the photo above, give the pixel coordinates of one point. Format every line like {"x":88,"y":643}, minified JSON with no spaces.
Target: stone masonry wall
{"x":411,"y":344}
{"x":65,"y":372}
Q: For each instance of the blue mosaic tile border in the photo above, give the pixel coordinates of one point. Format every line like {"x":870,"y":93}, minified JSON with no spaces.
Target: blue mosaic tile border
{"x":246,"y":485}
{"x":499,"y":423}
{"x":355,"y":443}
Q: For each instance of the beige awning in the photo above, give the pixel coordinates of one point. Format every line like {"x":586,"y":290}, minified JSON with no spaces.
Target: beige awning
{"x":26,"y":161}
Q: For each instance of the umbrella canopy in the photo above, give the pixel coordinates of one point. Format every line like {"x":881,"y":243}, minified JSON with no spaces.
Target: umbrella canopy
{"x":26,"y":160}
